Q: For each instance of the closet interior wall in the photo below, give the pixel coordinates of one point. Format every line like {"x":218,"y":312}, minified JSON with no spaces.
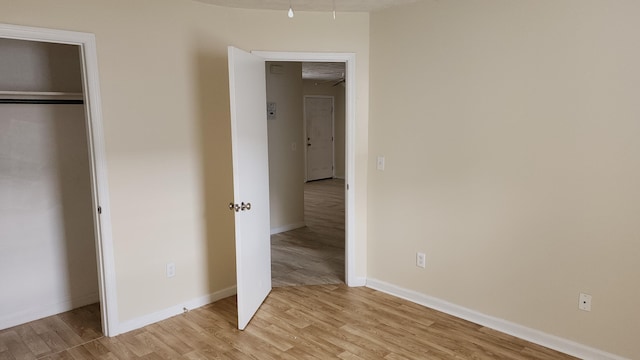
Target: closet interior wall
{"x":47,"y":242}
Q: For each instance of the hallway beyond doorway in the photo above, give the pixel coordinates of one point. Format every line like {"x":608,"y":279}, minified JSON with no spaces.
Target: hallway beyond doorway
{"x":314,"y":254}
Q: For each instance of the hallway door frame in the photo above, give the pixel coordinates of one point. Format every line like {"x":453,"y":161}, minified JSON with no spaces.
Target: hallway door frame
{"x":349,"y":59}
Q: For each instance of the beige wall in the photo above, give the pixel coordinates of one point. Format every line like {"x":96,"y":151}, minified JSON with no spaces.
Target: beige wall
{"x":163,"y":77}
{"x":510,"y":130}
{"x":338,"y":92}
{"x":286,"y":149}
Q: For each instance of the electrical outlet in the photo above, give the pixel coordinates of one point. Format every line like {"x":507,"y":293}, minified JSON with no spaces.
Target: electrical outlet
{"x":380,"y":163}
{"x":421,"y":260}
{"x":584,"y":302}
{"x":171,"y":270}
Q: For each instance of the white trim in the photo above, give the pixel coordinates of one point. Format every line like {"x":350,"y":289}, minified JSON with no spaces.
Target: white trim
{"x":535,"y":336}
{"x":287,"y":227}
{"x":359,"y":281}
{"x":174,"y":310}
{"x":97,"y":157}
{"x":44,"y":310}
{"x":350,"y":112}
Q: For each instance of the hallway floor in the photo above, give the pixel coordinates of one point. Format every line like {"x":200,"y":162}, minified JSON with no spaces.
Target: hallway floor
{"x":314,"y":254}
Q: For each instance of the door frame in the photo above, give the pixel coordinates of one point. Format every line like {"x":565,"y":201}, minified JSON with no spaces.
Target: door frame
{"x":86,"y":43}
{"x":333,"y":133}
{"x":350,"y":155}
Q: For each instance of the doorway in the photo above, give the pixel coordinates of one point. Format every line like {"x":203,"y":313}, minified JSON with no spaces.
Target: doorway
{"x":307,"y":190}
{"x":349,"y":59}
{"x":249,"y":115}
{"x":98,"y":198}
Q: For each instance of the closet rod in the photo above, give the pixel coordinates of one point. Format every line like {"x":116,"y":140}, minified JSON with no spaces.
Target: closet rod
{"x":40,"y":101}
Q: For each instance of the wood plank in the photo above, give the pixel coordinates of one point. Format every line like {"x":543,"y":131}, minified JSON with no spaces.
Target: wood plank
{"x":15,"y":346}
{"x":6,"y":355}
{"x":34,"y":342}
{"x":85,"y":321}
{"x":116,"y":347}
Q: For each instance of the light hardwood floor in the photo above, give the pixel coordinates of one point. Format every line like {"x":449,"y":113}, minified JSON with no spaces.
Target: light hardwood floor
{"x":314,"y":254}
{"x":51,"y":335}
{"x":329,"y":321}
{"x":306,"y":322}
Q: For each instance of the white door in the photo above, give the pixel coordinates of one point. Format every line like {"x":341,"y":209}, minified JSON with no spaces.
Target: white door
{"x":318,"y":114}
{"x":247,"y":89}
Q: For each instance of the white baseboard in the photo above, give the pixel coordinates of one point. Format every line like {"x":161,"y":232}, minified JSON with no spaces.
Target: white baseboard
{"x":519,"y":331}
{"x":149,"y":319}
{"x":288,"y":227}
{"x":357,"y":281}
{"x":31,"y":314}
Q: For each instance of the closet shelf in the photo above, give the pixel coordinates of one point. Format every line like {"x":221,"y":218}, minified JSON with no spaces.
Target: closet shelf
{"x":40,"y":97}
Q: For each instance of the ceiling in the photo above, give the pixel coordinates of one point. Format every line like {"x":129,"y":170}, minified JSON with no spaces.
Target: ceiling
{"x":314,"y":71}
{"x":311,"y":5}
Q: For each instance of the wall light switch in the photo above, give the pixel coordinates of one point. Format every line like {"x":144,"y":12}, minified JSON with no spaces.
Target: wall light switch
{"x":380,"y":163}
{"x":421,"y":260}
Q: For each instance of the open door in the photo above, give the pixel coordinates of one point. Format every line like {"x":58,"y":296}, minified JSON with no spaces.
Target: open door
{"x":247,"y":91}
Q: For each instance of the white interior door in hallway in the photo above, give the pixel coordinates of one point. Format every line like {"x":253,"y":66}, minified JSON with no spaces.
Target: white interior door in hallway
{"x":318,"y":115}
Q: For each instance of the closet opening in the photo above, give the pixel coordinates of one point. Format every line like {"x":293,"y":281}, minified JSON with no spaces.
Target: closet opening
{"x":48,"y":245}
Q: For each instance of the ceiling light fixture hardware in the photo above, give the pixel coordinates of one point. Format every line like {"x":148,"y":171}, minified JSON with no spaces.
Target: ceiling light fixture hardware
{"x":334,"y":9}
{"x":290,"y":13}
